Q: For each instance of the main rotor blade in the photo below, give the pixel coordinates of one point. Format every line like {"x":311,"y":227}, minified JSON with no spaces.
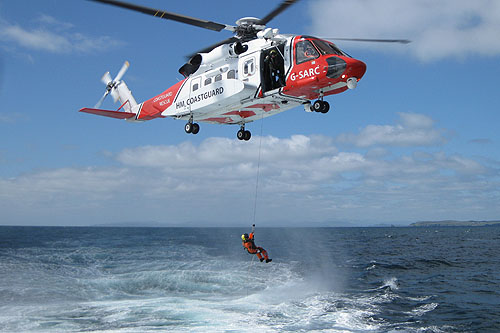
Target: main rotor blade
{"x":370,"y":40}
{"x":169,"y":15}
{"x":284,"y":5}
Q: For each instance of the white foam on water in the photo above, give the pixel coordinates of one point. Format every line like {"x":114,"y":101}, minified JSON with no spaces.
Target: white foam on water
{"x":391,"y":283}
{"x":419,"y":299}
{"x":279,"y":300}
{"x":423,"y":309}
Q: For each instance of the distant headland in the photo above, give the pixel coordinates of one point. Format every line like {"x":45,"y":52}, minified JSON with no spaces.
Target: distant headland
{"x":453,"y":223}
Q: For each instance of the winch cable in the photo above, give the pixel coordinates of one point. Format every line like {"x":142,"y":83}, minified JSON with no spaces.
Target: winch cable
{"x":258,"y":170}
{"x":256,"y":185}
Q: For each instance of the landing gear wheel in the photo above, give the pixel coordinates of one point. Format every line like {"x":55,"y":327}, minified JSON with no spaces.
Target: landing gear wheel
{"x":192,"y":128}
{"x":321,"y":106}
{"x":326,"y":107}
{"x":196,"y":128}
{"x":318,"y":105}
{"x":241,"y":134}
{"x":188,"y":127}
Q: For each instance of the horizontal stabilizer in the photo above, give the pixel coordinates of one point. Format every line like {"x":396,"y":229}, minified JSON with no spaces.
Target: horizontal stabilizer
{"x":108,"y":113}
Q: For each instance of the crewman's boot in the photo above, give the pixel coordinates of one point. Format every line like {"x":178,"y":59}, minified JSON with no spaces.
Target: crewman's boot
{"x":269,"y":260}
{"x":262,"y":259}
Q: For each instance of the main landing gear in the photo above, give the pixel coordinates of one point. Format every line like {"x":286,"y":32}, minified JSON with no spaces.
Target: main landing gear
{"x":191,"y":127}
{"x":320,"y":106}
{"x":243,"y":135}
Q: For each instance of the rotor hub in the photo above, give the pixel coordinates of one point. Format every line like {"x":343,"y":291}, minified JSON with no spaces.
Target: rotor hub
{"x":247,"y":27}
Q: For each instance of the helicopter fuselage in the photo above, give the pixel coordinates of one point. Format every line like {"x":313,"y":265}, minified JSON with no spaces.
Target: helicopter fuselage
{"x":230,"y":88}
{"x":239,"y":83}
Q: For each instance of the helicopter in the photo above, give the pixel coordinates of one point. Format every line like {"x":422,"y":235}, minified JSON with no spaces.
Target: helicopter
{"x":254,"y":74}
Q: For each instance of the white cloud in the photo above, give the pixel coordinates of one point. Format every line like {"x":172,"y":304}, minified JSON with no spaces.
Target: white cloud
{"x":302,"y":179}
{"x":35,"y":39}
{"x":217,"y":151}
{"x":53,"y":22}
{"x":438,"y":29}
{"x":54,"y":185}
{"x":413,"y":130}
{"x":53,"y":36}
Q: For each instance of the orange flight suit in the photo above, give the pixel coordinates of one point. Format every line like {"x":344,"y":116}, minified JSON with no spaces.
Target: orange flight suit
{"x":251,"y":248}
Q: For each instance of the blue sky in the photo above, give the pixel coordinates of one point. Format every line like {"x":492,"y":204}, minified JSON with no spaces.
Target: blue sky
{"x":417,"y":140}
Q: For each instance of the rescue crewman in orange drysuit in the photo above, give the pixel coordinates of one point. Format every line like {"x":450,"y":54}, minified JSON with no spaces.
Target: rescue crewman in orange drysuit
{"x":249,"y":245}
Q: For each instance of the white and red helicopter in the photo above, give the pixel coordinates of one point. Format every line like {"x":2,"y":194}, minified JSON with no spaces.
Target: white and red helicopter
{"x":255,"y":74}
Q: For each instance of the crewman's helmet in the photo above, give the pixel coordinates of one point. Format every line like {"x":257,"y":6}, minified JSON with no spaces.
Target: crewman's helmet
{"x":244,"y":237}
{"x":273,"y":53}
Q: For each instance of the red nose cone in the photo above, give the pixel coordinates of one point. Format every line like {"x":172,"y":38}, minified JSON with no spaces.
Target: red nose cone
{"x":356,"y":69}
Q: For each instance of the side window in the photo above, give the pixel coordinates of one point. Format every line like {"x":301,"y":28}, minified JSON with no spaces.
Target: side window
{"x":208,"y":80}
{"x":218,"y":77}
{"x":231,"y":74}
{"x":196,"y":83}
{"x":305,"y":51}
{"x":249,"y":67}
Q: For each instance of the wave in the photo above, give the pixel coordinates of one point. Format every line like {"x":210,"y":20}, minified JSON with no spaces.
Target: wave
{"x":434,"y":262}
{"x":373,"y":265}
{"x":417,"y":263}
{"x":423,"y":309}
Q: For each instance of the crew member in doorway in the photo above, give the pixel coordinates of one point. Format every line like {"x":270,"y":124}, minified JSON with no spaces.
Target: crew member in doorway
{"x":274,"y":62}
{"x":249,"y":245}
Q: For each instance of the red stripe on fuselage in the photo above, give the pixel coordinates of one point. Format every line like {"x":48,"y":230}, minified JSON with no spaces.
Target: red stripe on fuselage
{"x":220,"y":120}
{"x":242,"y":114}
{"x":265,"y":107}
{"x":153,"y":107}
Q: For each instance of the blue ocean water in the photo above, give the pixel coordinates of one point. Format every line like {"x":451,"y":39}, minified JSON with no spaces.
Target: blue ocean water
{"x":62,"y":279}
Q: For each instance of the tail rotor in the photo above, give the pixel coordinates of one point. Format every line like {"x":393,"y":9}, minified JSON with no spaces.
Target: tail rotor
{"x":106,"y":78}
{"x":111,"y":84}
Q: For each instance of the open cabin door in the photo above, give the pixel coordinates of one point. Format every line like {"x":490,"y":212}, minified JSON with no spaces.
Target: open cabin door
{"x":272,"y":64}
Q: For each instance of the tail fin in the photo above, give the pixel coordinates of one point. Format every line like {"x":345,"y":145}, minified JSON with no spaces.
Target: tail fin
{"x":124,"y":95}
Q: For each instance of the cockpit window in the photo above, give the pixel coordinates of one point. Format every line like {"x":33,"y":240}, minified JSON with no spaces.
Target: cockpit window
{"x":328,"y":48}
{"x":305,"y":51}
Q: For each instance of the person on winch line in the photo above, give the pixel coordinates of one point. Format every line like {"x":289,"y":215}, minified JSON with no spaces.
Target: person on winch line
{"x":249,"y":245}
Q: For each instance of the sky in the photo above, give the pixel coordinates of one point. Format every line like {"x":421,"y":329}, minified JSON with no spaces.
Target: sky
{"x":417,"y":140}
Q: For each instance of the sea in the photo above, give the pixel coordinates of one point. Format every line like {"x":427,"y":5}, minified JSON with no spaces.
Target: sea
{"x":394,"y":279}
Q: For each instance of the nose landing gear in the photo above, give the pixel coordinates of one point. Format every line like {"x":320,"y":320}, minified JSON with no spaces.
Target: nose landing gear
{"x":320,"y":106}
